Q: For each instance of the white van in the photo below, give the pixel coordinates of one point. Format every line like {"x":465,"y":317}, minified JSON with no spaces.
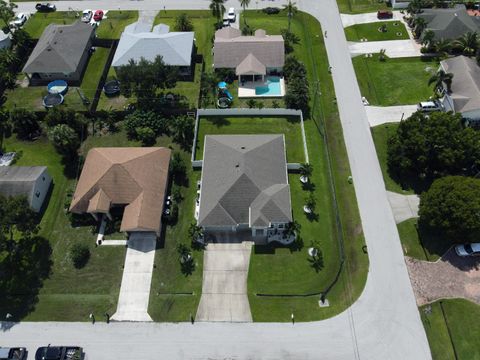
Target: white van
{"x":429,"y":106}
{"x":231,"y":14}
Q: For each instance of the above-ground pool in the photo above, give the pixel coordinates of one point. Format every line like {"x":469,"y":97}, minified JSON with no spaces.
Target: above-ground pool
{"x":57,"y":87}
{"x":271,"y":88}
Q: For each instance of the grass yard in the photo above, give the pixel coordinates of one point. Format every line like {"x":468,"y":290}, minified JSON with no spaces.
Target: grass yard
{"x":360,"y":6}
{"x":462,"y":318}
{"x":37,"y":22}
{"x":380,"y":135}
{"x":68,"y":294}
{"x":32,"y":96}
{"x":401,"y":81}
{"x":420,"y":244}
{"x":111,"y":27}
{"x":289,"y":126}
{"x":280,"y":274}
{"x":370,"y":31}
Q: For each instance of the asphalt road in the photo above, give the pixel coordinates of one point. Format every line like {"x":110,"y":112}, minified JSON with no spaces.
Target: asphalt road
{"x":383,"y":323}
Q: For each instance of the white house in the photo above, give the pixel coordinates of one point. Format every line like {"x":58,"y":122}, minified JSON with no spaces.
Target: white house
{"x":31,"y":181}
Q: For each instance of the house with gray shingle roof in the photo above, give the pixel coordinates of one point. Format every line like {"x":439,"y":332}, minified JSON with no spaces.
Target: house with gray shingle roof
{"x":137,"y":41}
{"x":449,"y":23}
{"x":61,"y":53}
{"x":464,"y":97}
{"x":30,"y":181}
{"x":260,"y":54}
{"x":244,"y":185}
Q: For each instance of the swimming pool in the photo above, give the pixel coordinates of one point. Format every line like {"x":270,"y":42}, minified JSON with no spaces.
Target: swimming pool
{"x":271,"y":88}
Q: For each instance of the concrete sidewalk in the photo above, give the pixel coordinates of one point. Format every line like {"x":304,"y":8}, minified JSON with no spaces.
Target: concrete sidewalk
{"x":404,"y":207}
{"x":378,"y":115}
{"x":224,"y":288}
{"x":136,"y":280}
{"x":393,"y":48}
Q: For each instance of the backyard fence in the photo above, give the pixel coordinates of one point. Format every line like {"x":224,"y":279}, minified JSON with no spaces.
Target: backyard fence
{"x":250,"y":113}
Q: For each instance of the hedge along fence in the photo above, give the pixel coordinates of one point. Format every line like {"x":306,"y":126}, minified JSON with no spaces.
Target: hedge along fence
{"x":196,"y":164}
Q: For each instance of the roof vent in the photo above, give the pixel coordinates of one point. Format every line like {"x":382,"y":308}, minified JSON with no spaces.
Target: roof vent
{"x":237,"y":165}
{"x":243,"y":147}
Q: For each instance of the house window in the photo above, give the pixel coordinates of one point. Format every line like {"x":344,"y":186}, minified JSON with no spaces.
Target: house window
{"x":280,"y":226}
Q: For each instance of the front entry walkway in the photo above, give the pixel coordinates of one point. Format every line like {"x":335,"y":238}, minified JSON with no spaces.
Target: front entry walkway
{"x":378,"y":115}
{"x":137,"y":277}
{"x":404,"y":207}
{"x":224,"y":289}
{"x":393,"y":48}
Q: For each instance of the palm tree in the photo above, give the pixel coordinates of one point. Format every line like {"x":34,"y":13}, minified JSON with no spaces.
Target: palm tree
{"x":244,"y":4}
{"x":306,"y":170}
{"x":415,"y":6}
{"x":427,"y":39}
{"x":468,"y":43}
{"x":419,"y":24}
{"x":441,"y":78}
{"x":292,"y":228}
{"x":218,"y":8}
{"x":310,"y":204}
{"x":443,"y":47}
{"x":291,"y":10}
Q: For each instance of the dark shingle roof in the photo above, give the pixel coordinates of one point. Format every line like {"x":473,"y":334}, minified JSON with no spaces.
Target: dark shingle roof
{"x":59,"y":49}
{"x":450,"y":23}
{"x":244,"y":181}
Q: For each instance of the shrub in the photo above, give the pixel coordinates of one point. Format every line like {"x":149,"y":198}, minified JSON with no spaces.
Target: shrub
{"x":79,"y":254}
{"x":183,"y":23}
{"x":145,"y":119}
{"x":146,"y":136}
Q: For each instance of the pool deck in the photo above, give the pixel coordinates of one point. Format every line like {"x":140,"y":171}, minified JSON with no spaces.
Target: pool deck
{"x":247,"y":90}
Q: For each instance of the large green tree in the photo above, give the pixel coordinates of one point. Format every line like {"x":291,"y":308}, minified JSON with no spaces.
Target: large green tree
{"x":441,"y":79}
{"x":182,"y":129}
{"x":65,"y":140}
{"x":428,"y":147}
{"x":7,"y":13}
{"x":24,"y":123}
{"x":451,"y":208}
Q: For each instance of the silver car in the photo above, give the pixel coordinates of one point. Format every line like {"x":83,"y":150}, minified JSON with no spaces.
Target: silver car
{"x":468,"y":249}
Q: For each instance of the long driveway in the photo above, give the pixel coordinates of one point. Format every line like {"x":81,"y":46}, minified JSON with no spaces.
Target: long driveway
{"x":383,"y":323}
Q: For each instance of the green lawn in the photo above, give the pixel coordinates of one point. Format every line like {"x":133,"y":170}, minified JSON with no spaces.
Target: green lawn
{"x":380,"y":135}
{"x":69,"y":294}
{"x":462,"y":317}
{"x":111,"y":27}
{"x":261,"y":125}
{"x":290,"y":268}
{"x":39,"y":21}
{"x":400,"y":81}
{"x":370,"y":31}
{"x":32,"y":96}
{"x":360,"y":6}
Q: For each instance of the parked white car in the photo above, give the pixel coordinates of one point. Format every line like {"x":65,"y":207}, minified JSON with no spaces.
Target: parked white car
{"x":468,"y":249}
{"x":231,"y":14}
{"x":87,"y":15}
{"x":429,"y":106}
{"x":19,"y":20}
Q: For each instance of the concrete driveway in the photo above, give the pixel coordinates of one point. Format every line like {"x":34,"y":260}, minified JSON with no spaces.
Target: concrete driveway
{"x":349,"y":20}
{"x":393,"y":48}
{"x":136,"y":279}
{"x":404,"y":207}
{"x":378,"y":115}
{"x":224,"y":288}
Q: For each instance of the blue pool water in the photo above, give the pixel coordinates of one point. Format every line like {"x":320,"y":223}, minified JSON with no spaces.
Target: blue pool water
{"x":272,"y":87}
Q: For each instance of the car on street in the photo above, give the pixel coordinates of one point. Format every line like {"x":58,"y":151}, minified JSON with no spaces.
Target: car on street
{"x":429,"y":106}
{"x":58,"y":353}
{"x":98,"y":16}
{"x":384,"y":14}
{"x":19,"y":20}
{"x":87,"y":16}
{"x":17,"y":353}
{"x":468,"y":249}
{"x":45,"y":7}
{"x":231,"y":14}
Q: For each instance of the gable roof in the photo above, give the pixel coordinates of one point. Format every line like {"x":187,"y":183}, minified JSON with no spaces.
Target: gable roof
{"x":251,"y":66}
{"x":244,"y":181}
{"x":59,"y":49}
{"x":465,"y":89}
{"x":231,"y":48}
{"x":137,"y":41}
{"x":449,"y":23}
{"x":135,"y":177}
{"x":20,"y":180}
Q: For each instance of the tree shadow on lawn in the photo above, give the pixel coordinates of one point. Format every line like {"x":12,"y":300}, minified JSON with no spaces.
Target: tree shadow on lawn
{"x":218,"y":121}
{"x":22,"y":274}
